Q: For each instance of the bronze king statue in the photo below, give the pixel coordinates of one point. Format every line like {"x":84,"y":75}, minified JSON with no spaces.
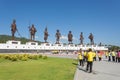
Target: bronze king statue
{"x":91,"y":39}
{"x":57,"y":35}
{"x":46,"y":35}
{"x":32,"y":32}
{"x":13,"y":29}
{"x":81,"y":38}
{"x":70,"y":37}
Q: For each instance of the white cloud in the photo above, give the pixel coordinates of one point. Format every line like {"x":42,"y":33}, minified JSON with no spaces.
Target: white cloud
{"x":36,"y":37}
{"x":64,"y":37}
{"x":74,"y":38}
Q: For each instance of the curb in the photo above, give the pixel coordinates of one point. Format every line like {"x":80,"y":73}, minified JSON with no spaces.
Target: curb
{"x":76,"y":74}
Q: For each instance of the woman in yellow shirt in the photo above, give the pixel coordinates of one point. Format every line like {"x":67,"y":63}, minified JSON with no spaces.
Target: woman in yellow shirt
{"x":80,"y":57}
{"x":106,"y":54}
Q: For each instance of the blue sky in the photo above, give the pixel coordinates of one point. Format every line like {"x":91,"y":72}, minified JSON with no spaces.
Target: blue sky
{"x":100,"y":17}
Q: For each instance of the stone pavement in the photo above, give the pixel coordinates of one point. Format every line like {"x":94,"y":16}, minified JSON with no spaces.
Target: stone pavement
{"x":102,"y":70}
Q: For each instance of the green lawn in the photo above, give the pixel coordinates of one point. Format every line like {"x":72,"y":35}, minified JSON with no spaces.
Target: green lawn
{"x":48,"y":69}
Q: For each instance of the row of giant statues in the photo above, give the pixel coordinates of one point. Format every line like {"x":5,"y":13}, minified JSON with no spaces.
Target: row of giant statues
{"x":33,"y":30}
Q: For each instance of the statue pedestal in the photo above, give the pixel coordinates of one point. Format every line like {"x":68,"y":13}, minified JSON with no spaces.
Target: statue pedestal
{"x":81,"y":45}
{"x":32,"y":43}
{"x":46,"y":44}
{"x":71,"y":45}
{"x":13,"y":42}
{"x":60,"y":44}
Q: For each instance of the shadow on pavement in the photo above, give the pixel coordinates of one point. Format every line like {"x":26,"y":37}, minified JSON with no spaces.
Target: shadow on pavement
{"x":80,"y":68}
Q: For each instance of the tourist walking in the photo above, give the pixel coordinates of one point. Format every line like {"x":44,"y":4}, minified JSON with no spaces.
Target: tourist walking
{"x":99,"y":56}
{"x":84,"y":56}
{"x":118,"y":56}
{"x":113,"y":55}
{"x":106,"y":54}
{"x":116,"y":59}
{"x":109,"y":55}
{"x":90,"y":56}
{"x":80,"y":57}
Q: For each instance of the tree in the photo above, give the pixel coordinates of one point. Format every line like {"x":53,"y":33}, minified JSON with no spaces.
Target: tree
{"x":113,"y":47}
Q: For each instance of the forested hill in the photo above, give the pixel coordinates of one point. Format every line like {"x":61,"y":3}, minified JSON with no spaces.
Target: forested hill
{"x":4,"y":38}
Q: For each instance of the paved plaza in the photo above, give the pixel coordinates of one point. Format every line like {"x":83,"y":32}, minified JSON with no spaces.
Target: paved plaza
{"x":102,"y":70}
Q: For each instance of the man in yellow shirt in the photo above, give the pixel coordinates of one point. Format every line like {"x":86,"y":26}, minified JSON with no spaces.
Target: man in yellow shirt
{"x":90,"y":56}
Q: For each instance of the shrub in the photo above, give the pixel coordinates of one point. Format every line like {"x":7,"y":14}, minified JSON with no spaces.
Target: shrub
{"x":45,"y":57}
{"x":10,"y":57}
{"x":35,"y":57}
{"x":1,"y":55}
{"x":14,"y":58}
{"x":20,"y":57}
{"x":40,"y":56}
{"x":30,"y":56}
{"x":17,"y":55}
{"x":25,"y":55}
{"x":24,"y":58}
{"x":6,"y":56}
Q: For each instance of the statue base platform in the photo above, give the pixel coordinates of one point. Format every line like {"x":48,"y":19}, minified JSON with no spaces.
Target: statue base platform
{"x":60,"y":44}
{"x":46,"y":44}
{"x":32,"y":43}
{"x":13,"y":42}
{"x":81,"y":45}
{"x":57,"y":43}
